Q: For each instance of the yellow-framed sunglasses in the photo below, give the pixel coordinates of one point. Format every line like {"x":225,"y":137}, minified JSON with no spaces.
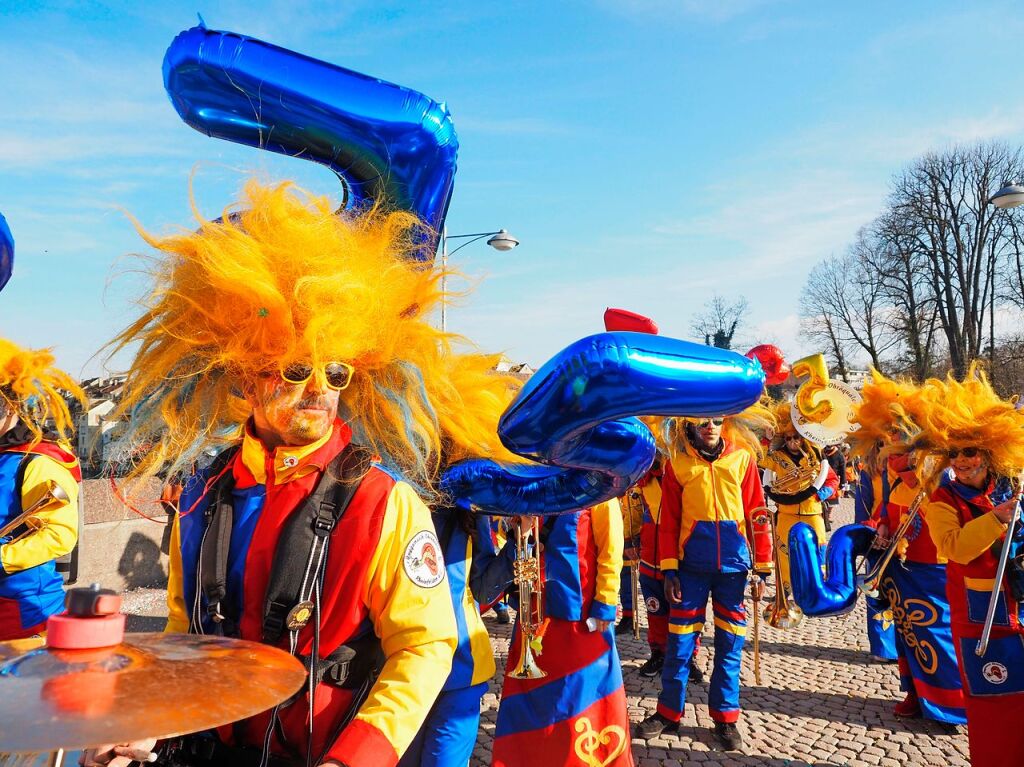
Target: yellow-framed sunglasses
{"x":337,"y":374}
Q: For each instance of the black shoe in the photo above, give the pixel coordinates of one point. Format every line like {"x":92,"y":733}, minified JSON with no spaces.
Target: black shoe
{"x":728,"y":736}
{"x":625,"y":627}
{"x":652,"y":666}
{"x":655,"y":725}
{"x":696,"y":675}
{"x":503,"y":616}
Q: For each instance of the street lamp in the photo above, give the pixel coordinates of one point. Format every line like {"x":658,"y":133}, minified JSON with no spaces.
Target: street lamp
{"x":500,"y":240}
{"x":1010,"y":196}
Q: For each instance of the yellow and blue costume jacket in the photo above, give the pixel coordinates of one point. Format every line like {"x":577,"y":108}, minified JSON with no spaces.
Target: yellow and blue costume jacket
{"x":31,"y":589}
{"x":384,"y":577}
{"x":708,"y":528}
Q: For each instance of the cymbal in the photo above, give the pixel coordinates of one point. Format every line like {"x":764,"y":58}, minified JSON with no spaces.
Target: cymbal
{"x":150,"y":686}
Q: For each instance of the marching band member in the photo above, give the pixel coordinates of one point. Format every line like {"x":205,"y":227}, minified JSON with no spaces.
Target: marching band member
{"x":576,"y":711}
{"x":968,"y":429}
{"x":708,"y":545}
{"x":913,"y":588}
{"x":837,"y":461}
{"x":39,"y":527}
{"x":871,"y":485}
{"x":299,"y":340}
{"x":798,"y":480}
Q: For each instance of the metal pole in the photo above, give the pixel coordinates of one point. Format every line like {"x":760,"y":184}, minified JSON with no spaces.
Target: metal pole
{"x":444,"y":276}
{"x":997,"y":587}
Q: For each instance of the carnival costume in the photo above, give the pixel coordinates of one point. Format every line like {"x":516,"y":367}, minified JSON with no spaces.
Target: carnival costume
{"x":32,"y":462}
{"x":873,"y":491}
{"x":970,"y":415}
{"x":798,"y":483}
{"x":708,"y":539}
{"x":913,"y":587}
{"x":285,"y":279}
{"x":633,"y":513}
{"x":577,"y":712}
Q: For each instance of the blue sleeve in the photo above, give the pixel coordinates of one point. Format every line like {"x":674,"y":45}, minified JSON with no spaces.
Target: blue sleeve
{"x":864,"y":501}
{"x":491,"y":572}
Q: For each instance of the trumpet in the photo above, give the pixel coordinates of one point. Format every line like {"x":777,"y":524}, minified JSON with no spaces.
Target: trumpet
{"x":54,"y":495}
{"x":635,"y":497}
{"x":871,"y":582}
{"x":783,"y":612}
{"x":527,"y":577}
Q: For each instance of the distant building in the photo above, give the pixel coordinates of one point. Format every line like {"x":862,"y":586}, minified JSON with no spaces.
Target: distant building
{"x":520,"y":370}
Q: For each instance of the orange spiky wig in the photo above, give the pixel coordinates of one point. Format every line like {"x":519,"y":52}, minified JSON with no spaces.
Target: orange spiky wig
{"x":281,"y":278}
{"x":887,"y":415}
{"x":31,"y":387}
{"x":744,"y":429}
{"x":957,"y":414}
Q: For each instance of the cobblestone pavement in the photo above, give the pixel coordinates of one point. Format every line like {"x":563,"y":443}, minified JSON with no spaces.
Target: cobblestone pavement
{"x":821,"y":702}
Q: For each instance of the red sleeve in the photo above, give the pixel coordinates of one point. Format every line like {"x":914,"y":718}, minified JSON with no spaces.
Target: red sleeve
{"x":832,"y":480}
{"x":759,"y":529}
{"x":670,"y":519}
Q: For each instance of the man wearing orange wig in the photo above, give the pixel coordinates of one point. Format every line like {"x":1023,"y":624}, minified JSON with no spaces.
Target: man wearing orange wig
{"x":299,"y":341}
{"x":975,"y":440}
{"x":38,"y":473}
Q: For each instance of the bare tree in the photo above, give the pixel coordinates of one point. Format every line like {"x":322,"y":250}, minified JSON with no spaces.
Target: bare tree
{"x":941,"y":205}
{"x":718,"y":321}
{"x":843,"y":305}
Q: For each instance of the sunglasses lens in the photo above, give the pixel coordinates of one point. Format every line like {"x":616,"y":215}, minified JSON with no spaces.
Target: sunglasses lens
{"x":338,"y":375}
{"x":970,"y":452}
{"x":297,"y":372}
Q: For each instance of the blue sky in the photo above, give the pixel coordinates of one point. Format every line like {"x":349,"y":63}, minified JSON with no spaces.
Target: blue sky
{"x":647,"y":153}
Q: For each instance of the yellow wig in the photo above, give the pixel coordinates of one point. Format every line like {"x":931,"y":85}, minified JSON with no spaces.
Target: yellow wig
{"x":283,"y":278}
{"x":955,"y":415}
{"x":888,"y":418}
{"x":31,"y":386}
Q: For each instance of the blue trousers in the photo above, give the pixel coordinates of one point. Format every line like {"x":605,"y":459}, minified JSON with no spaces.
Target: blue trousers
{"x":626,"y":592}
{"x":881,"y":630}
{"x":448,"y":735}
{"x":686,"y":621}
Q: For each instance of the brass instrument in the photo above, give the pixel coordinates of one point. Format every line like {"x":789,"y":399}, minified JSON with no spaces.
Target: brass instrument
{"x":871,"y":582}
{"x":527,"y":577}
{"x":823,"y":409}
{"x":1004,"y":557}
{"x":783,"y":612}
{"x":796,"y":479}
{"x":54,"y":495}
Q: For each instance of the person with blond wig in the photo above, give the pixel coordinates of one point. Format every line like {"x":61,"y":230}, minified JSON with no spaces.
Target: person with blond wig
{"x":298,"y":341}
{"x":973,"y":441}
{"x":37,"y":470}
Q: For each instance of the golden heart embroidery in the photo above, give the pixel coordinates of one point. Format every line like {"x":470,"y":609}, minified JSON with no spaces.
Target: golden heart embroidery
{"x":589,"y":742}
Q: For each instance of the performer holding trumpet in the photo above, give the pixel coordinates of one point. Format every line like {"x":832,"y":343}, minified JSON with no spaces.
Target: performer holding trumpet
{"x":562,"y":699}
{"x":909,"y":575}
{"x":39,"y":478}
{"x":976,"y":442}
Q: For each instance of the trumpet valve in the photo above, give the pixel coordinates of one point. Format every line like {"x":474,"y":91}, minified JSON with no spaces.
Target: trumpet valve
{"x":526,"y":570}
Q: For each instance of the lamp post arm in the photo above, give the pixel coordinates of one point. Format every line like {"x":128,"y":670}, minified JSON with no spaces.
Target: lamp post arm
{"x":468,"y":242}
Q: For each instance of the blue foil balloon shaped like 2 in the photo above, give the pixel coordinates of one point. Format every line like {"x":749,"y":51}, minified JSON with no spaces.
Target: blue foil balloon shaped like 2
{"x":574,"y":418}
{"x":384,"y":141}
{"x":835,"y":593}
{"x":6,"y":252}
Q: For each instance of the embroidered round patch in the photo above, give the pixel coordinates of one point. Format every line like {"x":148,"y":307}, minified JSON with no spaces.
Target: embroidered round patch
{"x":423,"y":561}
{"x":995,"y":673}
{"x":653,"y":604}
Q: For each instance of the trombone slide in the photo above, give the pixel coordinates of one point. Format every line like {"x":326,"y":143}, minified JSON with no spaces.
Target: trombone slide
{"x":997,"y":587}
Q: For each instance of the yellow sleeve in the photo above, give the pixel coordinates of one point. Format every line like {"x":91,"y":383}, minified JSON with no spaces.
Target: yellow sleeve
{"x":606,"y":522}
{"x":961,"y":544}
{"x":412,"y":614}
{"x":177,"y":613}
{"x":55,"y":531}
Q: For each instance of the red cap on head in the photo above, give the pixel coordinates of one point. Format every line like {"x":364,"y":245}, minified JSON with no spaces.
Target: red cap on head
{"x":622,"y":319}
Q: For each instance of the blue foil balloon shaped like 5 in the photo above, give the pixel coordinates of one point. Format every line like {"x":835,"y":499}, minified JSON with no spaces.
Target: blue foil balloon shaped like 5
{"x":384,"y":141}
{"x":835,"y":593}
{"x":6,"y":252}
{"x":574,"y":418}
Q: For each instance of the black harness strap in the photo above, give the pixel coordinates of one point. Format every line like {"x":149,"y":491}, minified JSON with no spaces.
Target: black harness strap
{"x":213,"y":550}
